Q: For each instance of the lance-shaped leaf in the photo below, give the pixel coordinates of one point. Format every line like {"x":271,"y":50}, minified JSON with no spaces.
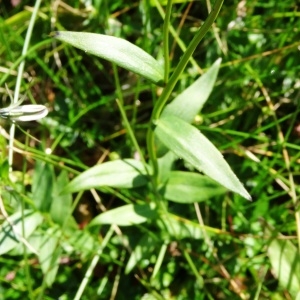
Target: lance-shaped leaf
{"x":127,"y":215}
{"x":127,"y":173}
{"x":187,"y":104}
{"x":116,"y":50}
{"x":188,"y":143}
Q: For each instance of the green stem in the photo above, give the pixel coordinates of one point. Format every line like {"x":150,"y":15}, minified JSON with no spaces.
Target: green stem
{"x":19,"y":77}
{"x":193,"y":268}
{"x":173,"y":80}
{"x":176,"y":37}
{"x":160,"y":259}
{"x":117,"y":84}
{"x":29,"y":281}
{"x":166,"y":39}
{"x":131,"y":133}
{"x":184,"y":60}
{"x":95,"y":260}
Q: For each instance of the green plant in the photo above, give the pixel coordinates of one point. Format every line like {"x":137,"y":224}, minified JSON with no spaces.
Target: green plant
{"x":144,"y":235}
{"x":171,"y":127}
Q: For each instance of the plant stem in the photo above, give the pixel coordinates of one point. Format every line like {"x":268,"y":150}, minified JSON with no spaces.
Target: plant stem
{"x":93,"y":264}
{"x":176,"y":37}
{"x":19,"y":78}
{"x":184,"y":60}
{"x":193,"y":268}
{"x":173,"y":80}
{"x":131,"y":133}
{"x":166,"y":39}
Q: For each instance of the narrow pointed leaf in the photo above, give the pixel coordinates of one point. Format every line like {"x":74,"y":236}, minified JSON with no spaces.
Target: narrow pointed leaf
{"x":126,"y":215}
{"x":187,"y":105}
{"x":126,"y":173}
{"x":190,"y":144}
{"x":116,"y":50}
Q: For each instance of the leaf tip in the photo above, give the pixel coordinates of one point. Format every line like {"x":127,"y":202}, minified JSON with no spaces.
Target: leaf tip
{"x":246,"y":195}
{"x":218,"y":61}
